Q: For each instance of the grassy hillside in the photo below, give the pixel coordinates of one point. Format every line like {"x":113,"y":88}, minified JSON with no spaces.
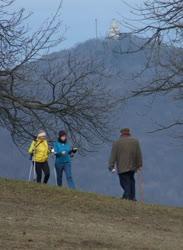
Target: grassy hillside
{"x":40,"y":217}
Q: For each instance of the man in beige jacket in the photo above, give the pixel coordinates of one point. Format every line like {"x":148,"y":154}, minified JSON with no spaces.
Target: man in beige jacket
{"x":126,"y":157}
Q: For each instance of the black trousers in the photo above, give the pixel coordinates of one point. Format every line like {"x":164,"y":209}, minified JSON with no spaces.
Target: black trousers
{"x":42,"y":167}
{"x":127,"y":182}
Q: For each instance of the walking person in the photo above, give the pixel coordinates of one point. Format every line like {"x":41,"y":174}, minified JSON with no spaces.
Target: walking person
{"x":127,"y":157}
{"x":39,"y":150}
{"x":64,"y":152}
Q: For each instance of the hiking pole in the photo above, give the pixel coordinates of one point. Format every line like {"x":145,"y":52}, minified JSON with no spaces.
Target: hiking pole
{"x":30,"y":172}
{"x":34,"y":171}
{"x":141,"y":185}
{"x":34,"y":165}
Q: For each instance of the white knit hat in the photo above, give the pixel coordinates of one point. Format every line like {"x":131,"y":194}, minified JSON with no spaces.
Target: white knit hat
{"x":41,"y":133}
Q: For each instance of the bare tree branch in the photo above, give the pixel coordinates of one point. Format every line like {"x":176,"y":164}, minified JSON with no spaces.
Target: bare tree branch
{"x":39,"y":92}
{"x":161,"y":23}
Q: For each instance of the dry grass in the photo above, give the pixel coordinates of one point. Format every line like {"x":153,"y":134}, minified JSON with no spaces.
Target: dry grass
{"x":40,"y":217}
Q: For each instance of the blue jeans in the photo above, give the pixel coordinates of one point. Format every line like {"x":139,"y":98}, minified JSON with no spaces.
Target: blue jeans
{"x":64,"y":167}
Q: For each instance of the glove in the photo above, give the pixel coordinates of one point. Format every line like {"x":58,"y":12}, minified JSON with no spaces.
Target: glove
{"x":52,"y":150}
{"x":74,"y":150}
{"x":113,"y":171}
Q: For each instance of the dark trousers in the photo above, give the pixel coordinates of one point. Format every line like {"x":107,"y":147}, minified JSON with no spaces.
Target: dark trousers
{"x":42,"y":167}
{"x":127,"y":182}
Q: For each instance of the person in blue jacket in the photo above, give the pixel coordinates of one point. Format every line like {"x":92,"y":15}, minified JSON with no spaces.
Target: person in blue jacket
{"x":63,"y":152}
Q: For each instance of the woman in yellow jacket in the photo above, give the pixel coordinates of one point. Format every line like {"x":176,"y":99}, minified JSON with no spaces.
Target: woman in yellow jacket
{"x":39,"y":150}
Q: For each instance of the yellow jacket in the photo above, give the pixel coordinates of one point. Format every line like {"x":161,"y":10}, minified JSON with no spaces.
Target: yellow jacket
{"x":39,"y":150}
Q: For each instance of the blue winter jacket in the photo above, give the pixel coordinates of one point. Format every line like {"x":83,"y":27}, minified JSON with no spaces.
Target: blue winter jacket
{"x":62,"y":152}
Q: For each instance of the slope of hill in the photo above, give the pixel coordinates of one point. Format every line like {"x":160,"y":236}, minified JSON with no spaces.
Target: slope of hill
{"x":40,"y":217}
{"x":162,"y":154}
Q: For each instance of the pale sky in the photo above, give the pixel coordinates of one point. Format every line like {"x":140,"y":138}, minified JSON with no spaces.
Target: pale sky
{"x":79,"y":16}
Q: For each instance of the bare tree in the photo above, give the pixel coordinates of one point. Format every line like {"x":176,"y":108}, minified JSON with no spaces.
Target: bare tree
{"x":160,"y":24}
{"x":39,"y":91}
